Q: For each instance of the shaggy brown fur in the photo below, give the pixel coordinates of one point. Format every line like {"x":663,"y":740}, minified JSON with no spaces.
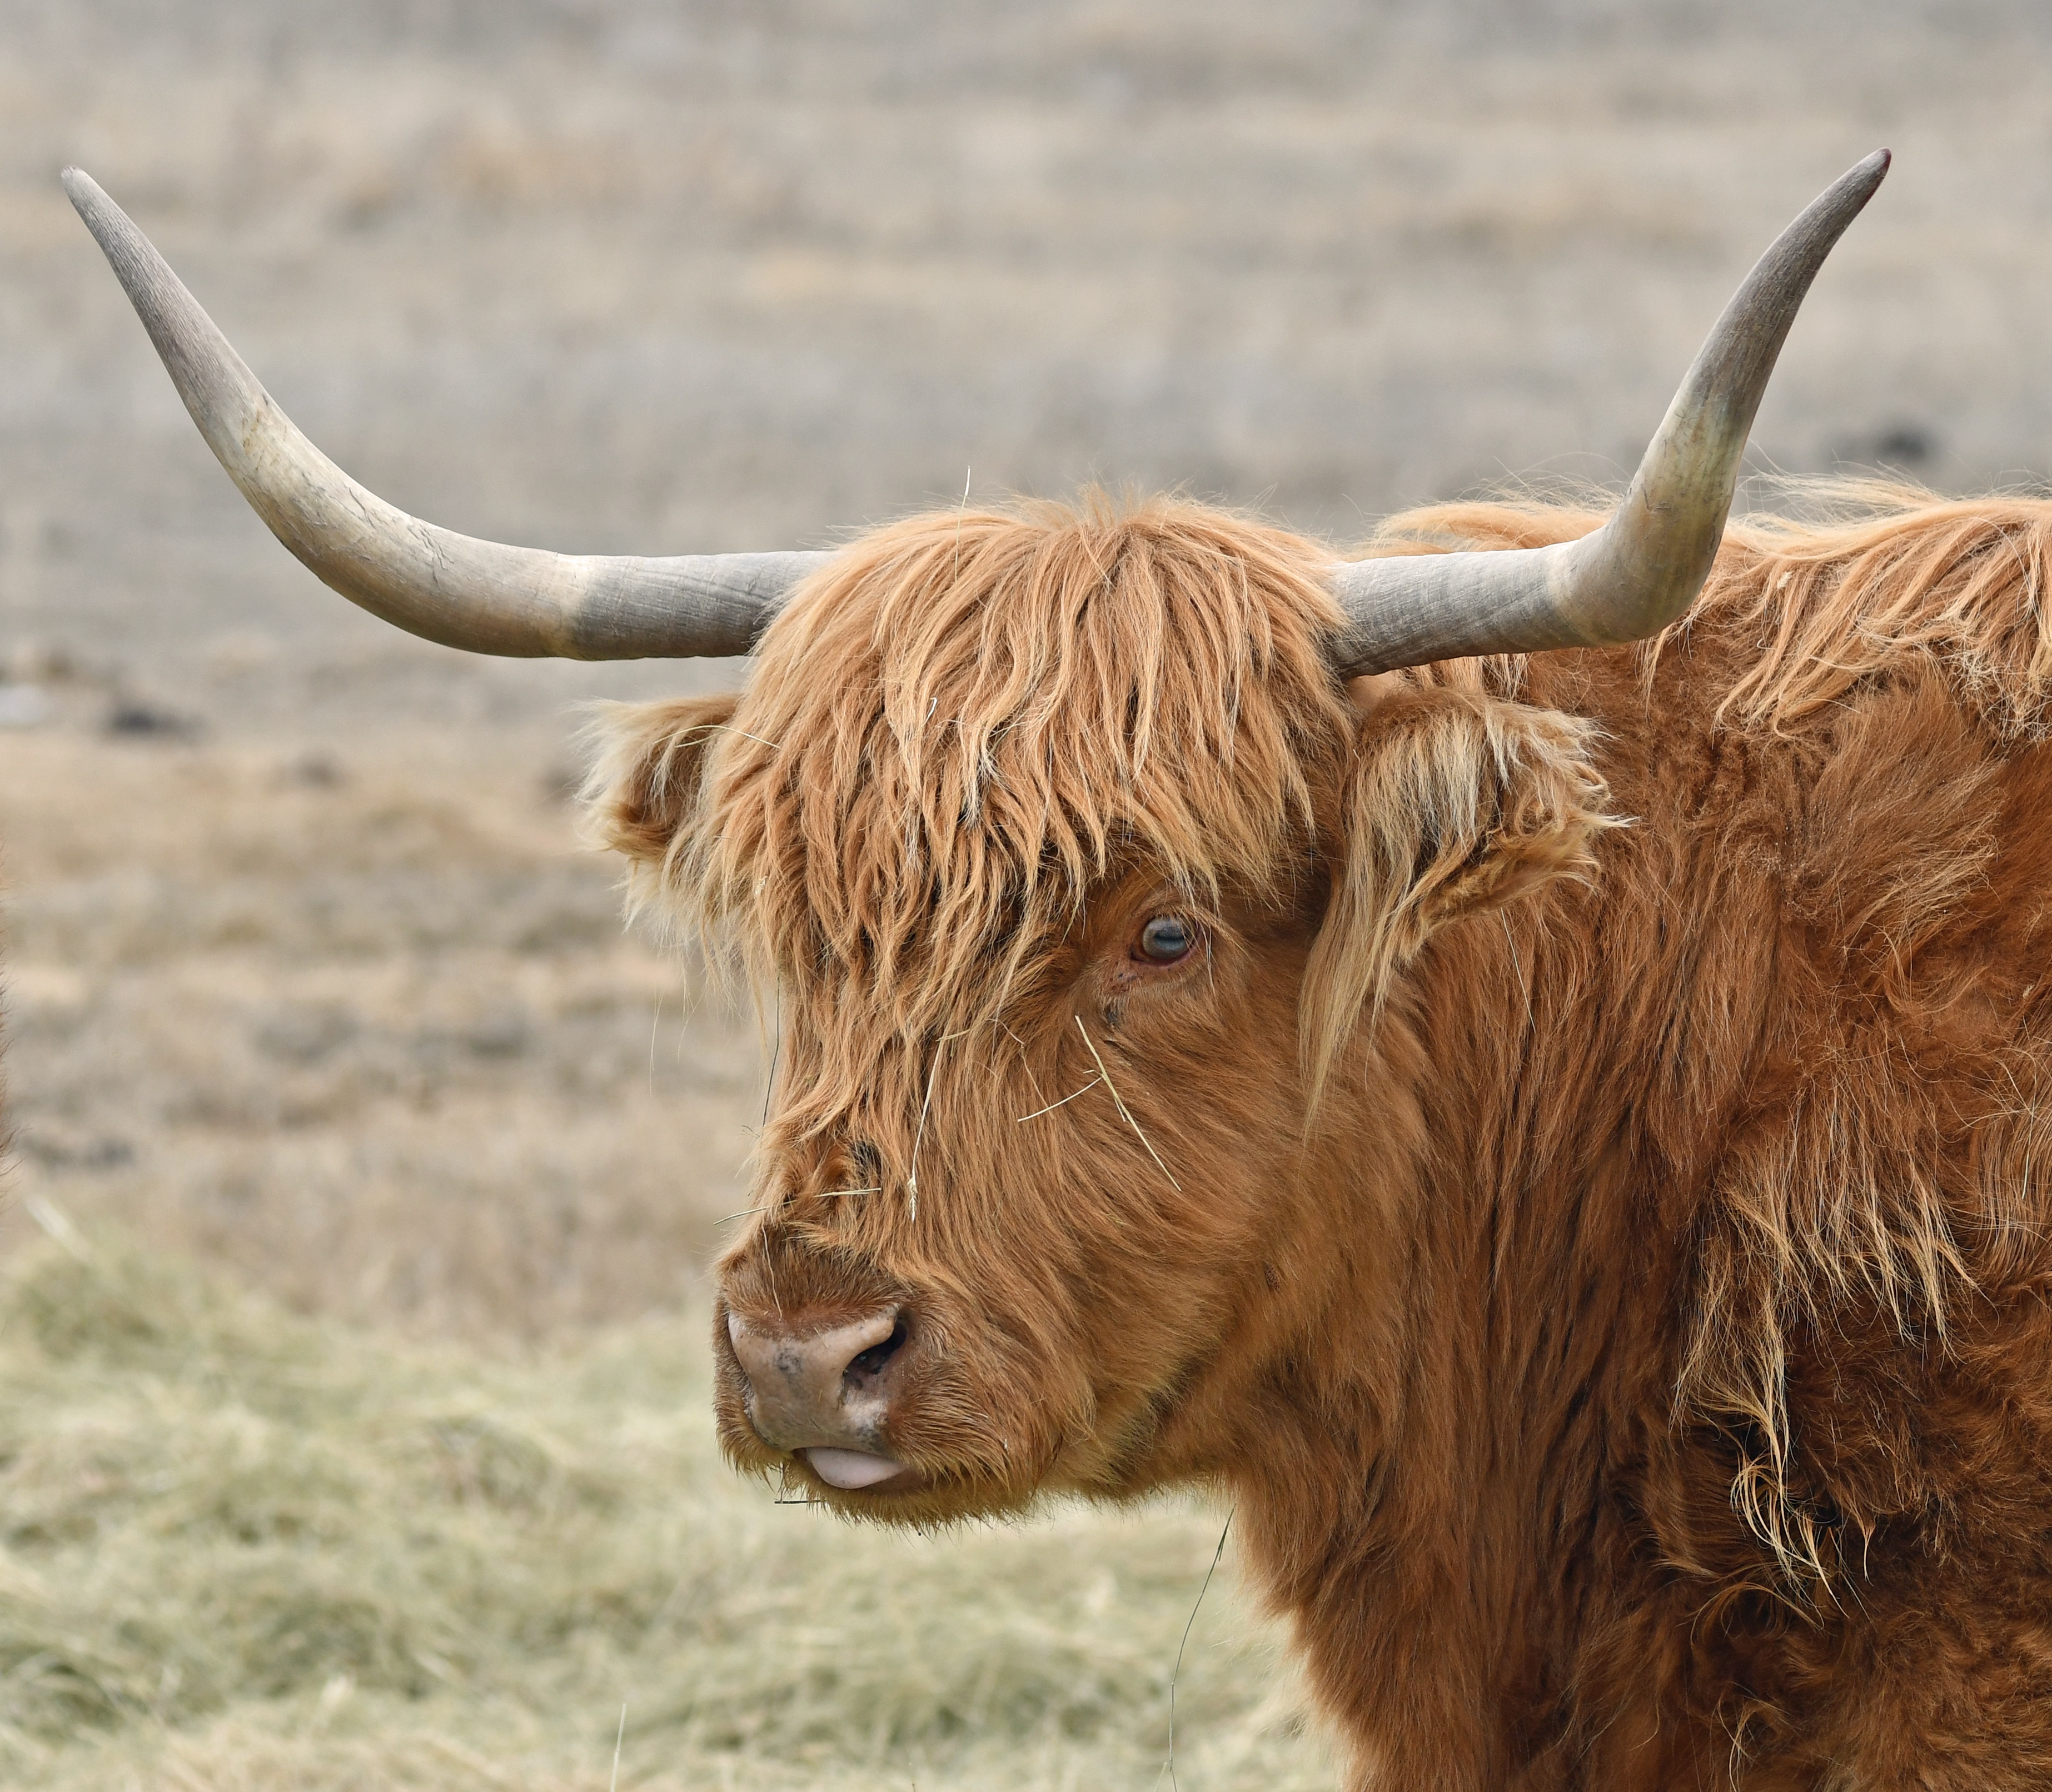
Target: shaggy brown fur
{"x":1584,"y":1199}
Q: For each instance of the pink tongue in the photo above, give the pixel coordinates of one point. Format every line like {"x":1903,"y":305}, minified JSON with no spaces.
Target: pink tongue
{"x":851,"y":1468}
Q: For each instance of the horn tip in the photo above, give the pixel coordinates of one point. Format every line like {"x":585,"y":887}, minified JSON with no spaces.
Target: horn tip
{"x":80,"y":187}
{"x":1871,"y":171}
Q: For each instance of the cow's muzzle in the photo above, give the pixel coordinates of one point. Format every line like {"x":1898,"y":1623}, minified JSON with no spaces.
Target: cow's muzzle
{"x":823,"y":1394}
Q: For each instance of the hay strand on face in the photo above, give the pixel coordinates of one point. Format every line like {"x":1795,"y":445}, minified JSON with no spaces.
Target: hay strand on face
{"x":1125,"y":1112}
{"x":925,"y":1108}
{"x":1062,"y":1103}
{"x":824,"y":1195}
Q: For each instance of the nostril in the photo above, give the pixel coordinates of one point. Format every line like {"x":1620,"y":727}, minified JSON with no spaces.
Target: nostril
{"x":828,"y":1387}
{"x":867,"y":1365}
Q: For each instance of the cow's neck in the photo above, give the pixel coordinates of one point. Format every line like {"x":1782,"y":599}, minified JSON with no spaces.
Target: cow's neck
{"x":1446,"y":1443}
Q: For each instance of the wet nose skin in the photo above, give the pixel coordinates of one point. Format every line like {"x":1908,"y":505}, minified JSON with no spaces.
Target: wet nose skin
{"x":800,"y":1393}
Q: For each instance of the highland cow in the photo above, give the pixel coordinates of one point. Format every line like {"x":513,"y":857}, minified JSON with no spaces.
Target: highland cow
{"x":1524,"y":1077}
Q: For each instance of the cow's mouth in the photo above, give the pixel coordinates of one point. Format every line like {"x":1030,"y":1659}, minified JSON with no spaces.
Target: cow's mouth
{"x":859,"y":1471}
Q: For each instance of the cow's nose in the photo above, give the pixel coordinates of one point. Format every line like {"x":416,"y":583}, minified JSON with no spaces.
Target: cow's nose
{"x":824,"y":1392}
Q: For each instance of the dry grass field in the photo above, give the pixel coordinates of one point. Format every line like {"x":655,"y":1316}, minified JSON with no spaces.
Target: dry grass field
{"x":247,"y":1551}
{"x":361,"y":1026}
{"x":365,"y":1168}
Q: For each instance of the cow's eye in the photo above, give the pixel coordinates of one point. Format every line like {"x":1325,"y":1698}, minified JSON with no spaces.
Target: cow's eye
{"x":1166,"y":938}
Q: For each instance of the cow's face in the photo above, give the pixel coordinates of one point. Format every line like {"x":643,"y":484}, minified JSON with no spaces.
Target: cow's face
{"x":1077,"y":881}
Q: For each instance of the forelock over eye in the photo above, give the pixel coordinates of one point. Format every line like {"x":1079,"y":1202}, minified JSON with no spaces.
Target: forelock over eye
{"x":1166,"y":938}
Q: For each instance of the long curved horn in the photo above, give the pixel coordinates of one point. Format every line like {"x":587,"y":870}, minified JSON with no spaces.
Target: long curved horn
{"x":1643,"y":568}
{"x":453,"y":588}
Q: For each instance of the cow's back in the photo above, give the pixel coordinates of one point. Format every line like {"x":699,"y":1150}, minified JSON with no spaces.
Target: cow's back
{"x":1825,"y":934}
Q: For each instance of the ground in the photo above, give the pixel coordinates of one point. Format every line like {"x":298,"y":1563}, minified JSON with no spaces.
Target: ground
{"x":245,"y":1550}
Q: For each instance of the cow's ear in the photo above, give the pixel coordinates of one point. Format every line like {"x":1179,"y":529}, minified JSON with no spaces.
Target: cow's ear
{"x":645,"y":784}
{"x":1457,"y":803}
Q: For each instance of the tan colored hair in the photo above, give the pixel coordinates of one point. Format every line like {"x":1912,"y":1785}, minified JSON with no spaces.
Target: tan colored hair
{"x":1024,"y":703}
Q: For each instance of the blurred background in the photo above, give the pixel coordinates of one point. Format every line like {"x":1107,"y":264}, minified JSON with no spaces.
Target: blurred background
{"x":309,"y":983}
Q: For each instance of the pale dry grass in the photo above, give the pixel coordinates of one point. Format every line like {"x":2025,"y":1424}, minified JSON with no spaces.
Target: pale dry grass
{"x":241,"y":1550}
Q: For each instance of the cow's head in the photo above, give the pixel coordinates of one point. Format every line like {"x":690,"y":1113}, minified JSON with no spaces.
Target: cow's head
{"x":1069,"y":867}
{"x":1073,"y":848}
